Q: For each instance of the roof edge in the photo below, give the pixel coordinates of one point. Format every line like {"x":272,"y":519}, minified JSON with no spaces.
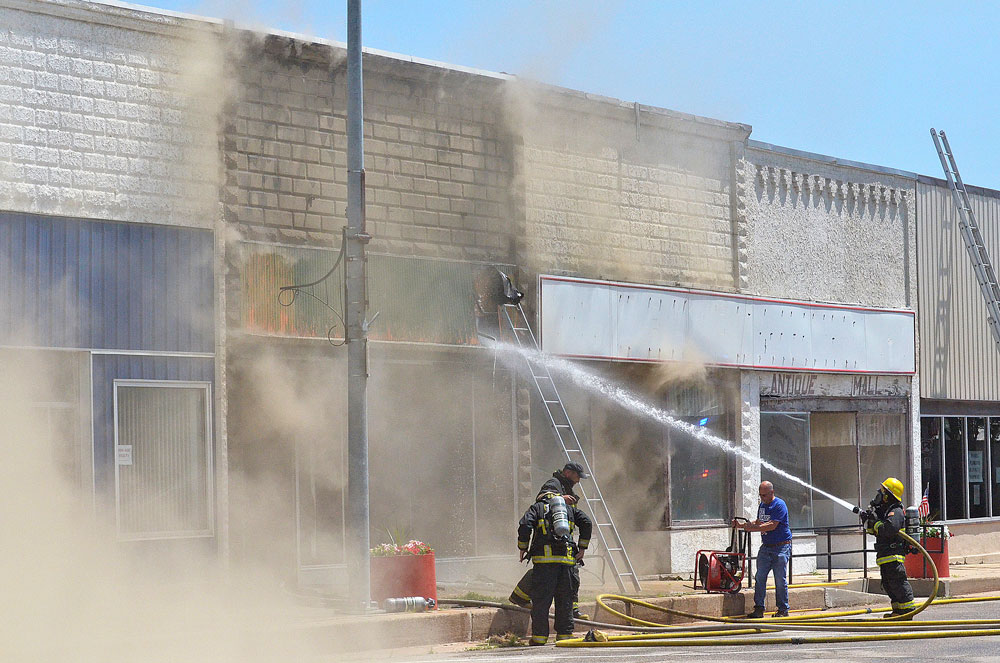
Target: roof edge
{"x":836,"y":161}
{"x":143,"y":12}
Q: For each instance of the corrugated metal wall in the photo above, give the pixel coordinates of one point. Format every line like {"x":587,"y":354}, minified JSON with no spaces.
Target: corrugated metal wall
{"x":92,"y":284}
{"x":958,"y":359}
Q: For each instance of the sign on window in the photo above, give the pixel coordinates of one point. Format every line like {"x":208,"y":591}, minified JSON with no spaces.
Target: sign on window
{"x":123,"y":454}
{"x":975,"y":467}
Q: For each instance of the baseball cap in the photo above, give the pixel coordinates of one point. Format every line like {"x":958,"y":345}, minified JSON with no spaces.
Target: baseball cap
{"x":578,"y":468}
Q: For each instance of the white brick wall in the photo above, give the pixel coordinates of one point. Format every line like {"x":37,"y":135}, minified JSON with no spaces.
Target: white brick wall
{"x":102,"y":116}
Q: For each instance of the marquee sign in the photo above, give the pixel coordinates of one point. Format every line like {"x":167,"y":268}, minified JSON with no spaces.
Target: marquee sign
{"x":629,"y":322}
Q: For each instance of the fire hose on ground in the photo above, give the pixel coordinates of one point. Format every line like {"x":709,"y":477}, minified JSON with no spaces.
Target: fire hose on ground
{"x":896,"y":627}
{"x":722,"y":630}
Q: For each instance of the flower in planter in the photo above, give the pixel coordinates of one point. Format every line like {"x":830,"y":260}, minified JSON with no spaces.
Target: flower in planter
{"x":414,"y":547}
{"x":931,"y":531}
{"x":385,"y":550}
{"x":938,"y":532}
{"x":411,"y":547}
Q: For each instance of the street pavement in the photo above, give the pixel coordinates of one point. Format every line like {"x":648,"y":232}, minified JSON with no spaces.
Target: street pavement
{"x":975,"y":649}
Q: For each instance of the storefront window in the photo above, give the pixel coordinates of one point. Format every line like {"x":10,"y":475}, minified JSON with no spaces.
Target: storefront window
{"x":833,"y":440}
{"x":881,"y":438}
{"x":852,"y":453}
{"x":656,"y":475}
{"x":697,"y":472}
{"x":930,"y":463}
{"x":784,"y":442}
{"x":416,"y":446}
{"x":954,"y":466}
{"x":960,"y":456}
{"x":979,"y":506}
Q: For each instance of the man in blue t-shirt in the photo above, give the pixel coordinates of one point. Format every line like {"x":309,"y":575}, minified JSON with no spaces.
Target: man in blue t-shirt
{"x":775,"y":549}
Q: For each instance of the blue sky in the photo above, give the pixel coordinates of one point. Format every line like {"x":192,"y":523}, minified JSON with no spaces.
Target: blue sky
{"x":857,"y":80}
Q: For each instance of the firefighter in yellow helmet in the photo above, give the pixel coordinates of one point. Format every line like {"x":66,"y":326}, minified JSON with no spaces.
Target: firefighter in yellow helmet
{"x":885,"y":519}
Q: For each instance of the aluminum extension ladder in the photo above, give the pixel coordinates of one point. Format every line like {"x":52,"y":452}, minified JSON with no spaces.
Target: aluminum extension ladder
{"x":607,"y":532}
{"x":985,"y":274}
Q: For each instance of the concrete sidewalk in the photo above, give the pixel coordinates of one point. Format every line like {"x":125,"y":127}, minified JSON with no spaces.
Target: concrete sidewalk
{"x":322,"y":628}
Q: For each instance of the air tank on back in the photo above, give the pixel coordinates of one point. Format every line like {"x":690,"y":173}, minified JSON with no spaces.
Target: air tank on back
{"x":912,"y":518}
{"x":560,"y":516}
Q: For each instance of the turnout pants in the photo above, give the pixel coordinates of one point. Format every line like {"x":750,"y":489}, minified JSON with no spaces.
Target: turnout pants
{"x":522,"y":591}
{"x":551,"y":582}
{"x":896,"y":585}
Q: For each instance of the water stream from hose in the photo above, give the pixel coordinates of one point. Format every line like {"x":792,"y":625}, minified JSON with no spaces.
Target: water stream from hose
{"x":633,"y":402}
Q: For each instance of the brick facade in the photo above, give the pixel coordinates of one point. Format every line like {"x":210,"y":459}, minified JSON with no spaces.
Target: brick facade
{"x":108,"y":118}
{"x":437,"y":165}
{"x":468,"y":166}
{"x":626,"y":193}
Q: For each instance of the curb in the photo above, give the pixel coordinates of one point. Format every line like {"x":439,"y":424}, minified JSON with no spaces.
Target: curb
{"x":713,"y":605}
{"x":476,"y":624}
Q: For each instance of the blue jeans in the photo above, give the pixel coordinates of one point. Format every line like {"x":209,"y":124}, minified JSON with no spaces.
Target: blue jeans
{"x":772,"y":558}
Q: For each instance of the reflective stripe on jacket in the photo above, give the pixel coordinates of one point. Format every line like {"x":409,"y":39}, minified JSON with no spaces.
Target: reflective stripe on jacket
{"x":545,"y":547}
{"x":889,"y":546}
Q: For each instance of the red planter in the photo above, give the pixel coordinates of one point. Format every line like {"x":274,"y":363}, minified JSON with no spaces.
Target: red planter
{"x":938,"y":549}
{"x":403,"y":575}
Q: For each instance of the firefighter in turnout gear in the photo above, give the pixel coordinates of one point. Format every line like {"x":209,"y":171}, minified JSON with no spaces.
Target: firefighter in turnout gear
{"x":545,"y":534}
{"x":885,"y":519}
{"x":562,"y":483}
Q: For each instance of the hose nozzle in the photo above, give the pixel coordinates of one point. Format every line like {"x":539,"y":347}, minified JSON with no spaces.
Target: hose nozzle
{"x":857,"y":509}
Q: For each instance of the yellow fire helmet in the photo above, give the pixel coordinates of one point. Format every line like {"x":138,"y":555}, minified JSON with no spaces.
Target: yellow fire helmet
{"x":894,"y":486}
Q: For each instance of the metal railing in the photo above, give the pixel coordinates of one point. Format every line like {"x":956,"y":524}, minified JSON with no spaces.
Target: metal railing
{"x":864,"y":550}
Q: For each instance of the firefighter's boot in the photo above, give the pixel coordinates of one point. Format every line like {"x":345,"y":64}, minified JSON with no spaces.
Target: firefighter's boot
{"x":897,"y":613}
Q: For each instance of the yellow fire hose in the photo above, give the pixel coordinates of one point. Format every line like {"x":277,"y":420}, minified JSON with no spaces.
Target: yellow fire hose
{"x":687,"y":636}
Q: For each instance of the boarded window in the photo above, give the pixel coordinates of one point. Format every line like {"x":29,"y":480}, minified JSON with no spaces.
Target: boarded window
{"x":163,"y":461}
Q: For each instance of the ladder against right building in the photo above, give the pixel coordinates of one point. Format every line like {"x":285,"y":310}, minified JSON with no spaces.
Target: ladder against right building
{"x":981,"y":264}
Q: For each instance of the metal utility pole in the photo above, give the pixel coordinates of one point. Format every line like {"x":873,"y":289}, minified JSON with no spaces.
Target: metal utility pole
{"x":358,"y":545}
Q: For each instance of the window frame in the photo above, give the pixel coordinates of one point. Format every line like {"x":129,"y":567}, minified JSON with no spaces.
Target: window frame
{"x":728,"y":472}
{"x":209,"y":532}
{"x":987,"y":466}
{"x":808,"y":415}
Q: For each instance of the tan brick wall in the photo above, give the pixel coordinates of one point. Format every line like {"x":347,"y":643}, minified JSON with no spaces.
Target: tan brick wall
{"x":437,"y":165}
{"x":607,"y":197}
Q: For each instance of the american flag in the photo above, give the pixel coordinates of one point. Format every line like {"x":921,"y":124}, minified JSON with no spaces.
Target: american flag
{"x":924,"y":509}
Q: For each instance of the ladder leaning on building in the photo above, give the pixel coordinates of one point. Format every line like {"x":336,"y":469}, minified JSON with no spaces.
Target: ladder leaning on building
{"x":607,"y":532}
{"x":985,"y":274}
